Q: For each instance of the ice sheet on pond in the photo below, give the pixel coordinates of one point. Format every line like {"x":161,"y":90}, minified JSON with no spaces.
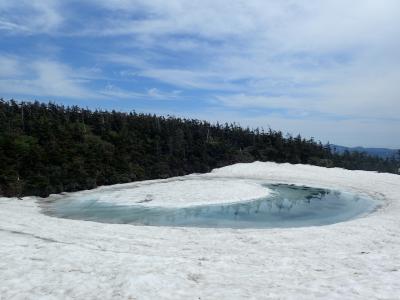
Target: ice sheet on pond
{"x":175,"y":192}
{"x":286,"y":206}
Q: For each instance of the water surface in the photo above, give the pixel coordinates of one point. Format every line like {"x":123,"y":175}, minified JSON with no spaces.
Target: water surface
{"x":287,"y":206}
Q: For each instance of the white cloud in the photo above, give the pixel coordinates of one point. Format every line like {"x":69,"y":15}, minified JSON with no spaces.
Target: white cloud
{"x":257,"y":101}
{"x":54,"y":79}
{"x":29,"y":17}
{"x":189,"y":78}
{"x":327,"y":54}
{"x":150,"y":94}
{"x":9,"y":67}
{"x":156,"y":94}
{"x":286,"y":24}
{"x":41,"y":78}
{"x":331,"y":57}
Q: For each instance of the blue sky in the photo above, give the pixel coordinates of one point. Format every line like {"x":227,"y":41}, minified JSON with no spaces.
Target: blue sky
{"x":326,"y":69}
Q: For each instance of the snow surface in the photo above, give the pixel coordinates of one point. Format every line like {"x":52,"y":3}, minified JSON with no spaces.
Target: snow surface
{"x":176,"y":193}
{"x":43,"y":257}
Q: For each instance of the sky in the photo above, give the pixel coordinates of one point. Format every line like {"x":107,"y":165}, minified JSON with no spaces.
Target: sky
{"x":327,"y":69}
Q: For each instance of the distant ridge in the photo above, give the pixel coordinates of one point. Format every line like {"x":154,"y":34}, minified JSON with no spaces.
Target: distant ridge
{"x":379,"y":152}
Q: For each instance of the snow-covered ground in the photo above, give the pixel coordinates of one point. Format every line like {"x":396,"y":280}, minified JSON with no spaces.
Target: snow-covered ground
{"x":51,"y":258}
{"x":175,"y":192}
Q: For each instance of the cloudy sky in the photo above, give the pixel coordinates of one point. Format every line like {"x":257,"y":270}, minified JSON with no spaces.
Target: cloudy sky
{"x":328,"y":69}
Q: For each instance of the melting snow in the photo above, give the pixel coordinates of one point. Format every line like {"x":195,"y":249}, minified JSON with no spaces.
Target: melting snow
{"x":45,"y":257}
{"x":176,"y":193}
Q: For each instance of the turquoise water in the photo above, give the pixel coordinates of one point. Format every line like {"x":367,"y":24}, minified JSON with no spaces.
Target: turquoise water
{"x":287,"y":206}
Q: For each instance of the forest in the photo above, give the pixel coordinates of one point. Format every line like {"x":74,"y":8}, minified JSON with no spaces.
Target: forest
{"x":47,"y":148}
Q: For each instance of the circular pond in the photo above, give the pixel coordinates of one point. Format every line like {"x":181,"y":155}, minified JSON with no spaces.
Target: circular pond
{"x":284,"y":206}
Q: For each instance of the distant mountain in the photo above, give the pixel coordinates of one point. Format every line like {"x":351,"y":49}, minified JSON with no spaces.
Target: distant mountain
{"x":380,"y":152}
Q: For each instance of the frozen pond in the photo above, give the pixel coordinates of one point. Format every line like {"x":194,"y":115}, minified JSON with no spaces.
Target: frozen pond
{"x":286,"y":206}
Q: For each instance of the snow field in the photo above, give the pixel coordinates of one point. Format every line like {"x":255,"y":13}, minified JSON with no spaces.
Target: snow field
{"x":42,"y":257}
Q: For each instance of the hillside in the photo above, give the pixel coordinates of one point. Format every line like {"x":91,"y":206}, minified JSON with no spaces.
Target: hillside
{"x":49,"y":148}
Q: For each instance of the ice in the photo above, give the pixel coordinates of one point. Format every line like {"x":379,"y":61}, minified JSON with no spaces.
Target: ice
{"x":286,"y":206}
{"x":194,"y":190}
{"x":42,"y":257}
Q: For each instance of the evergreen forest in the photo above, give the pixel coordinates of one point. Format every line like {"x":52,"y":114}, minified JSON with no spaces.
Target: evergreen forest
{"x":51,"y":148}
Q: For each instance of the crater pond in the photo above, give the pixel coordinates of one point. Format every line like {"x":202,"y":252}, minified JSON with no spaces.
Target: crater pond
{"x":287,"y":206}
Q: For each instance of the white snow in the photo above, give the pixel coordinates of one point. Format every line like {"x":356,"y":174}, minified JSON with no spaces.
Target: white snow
{"x":51,"y":258}
{"x":176,"y":193}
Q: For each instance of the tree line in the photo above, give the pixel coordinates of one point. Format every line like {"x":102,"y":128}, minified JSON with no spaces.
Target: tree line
{"x":50,"y":148}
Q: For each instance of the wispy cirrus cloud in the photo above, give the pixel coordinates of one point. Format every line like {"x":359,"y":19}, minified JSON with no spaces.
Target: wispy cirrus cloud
{"x":40,"y":78}
{"x":112,"y":91}
{"x":286,"y":59}
{"x":30,"y":17}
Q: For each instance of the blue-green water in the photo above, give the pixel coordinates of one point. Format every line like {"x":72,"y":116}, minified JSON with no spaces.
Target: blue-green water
{"x":287,"y":206}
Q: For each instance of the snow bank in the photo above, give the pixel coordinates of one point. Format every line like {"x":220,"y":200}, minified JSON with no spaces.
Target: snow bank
{"x":177,"y":193}
{"x":51,"y":258}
